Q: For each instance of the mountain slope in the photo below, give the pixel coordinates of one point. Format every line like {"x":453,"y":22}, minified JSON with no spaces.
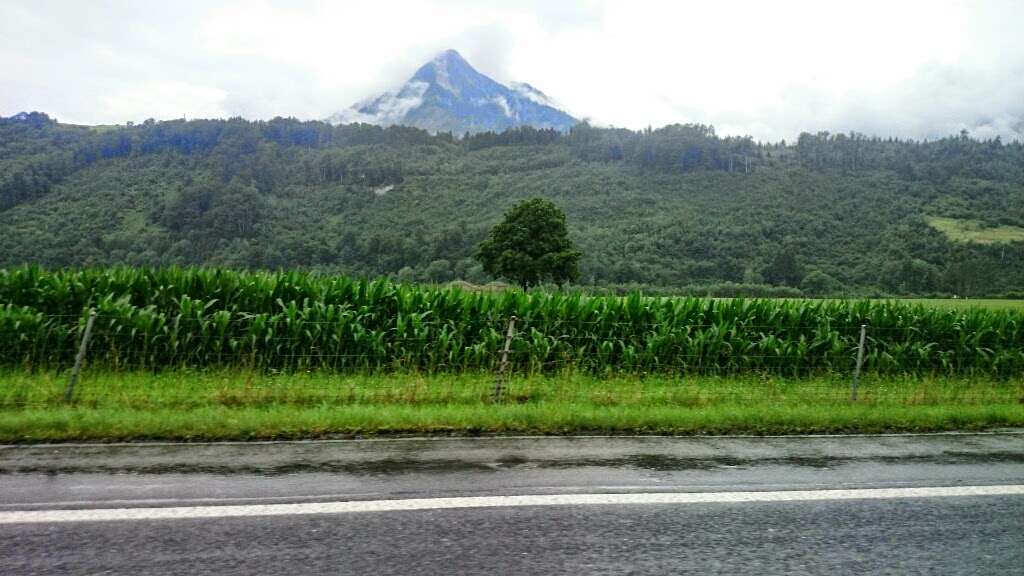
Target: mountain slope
{"x":673,"y":210}
{"x":448,"y":95}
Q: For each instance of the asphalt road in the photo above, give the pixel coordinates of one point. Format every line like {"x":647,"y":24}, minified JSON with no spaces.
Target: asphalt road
{"x":835,"y":505}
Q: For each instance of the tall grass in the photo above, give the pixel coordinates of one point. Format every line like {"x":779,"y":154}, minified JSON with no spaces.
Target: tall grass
{"x":154,"y":319}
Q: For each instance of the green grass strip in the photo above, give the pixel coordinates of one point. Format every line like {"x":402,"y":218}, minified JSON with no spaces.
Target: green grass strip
{"x":238,"y":405}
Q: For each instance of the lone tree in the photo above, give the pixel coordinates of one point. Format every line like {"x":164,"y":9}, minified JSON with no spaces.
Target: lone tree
{"x":529,"y":245}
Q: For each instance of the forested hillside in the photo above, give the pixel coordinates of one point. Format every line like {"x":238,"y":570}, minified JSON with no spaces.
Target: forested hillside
{"x":677,"y":209}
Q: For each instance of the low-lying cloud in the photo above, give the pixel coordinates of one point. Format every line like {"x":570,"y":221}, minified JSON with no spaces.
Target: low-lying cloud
{"x":390,"y":108}
{"x":769,"y":70}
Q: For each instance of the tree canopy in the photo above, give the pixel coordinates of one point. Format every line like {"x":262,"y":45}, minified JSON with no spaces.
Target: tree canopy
{"x":530,"y":244}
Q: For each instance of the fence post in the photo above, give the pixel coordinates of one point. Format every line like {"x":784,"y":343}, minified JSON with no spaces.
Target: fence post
{"x":860,"y":359}
{"x":504,"y":359}
{"x":80,"y":357}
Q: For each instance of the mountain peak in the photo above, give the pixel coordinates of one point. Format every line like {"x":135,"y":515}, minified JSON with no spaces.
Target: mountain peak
{"x":449,"y":59}
{"x":448,"y":70}
{"x":451,"y":55}
{"x":448,"y":94}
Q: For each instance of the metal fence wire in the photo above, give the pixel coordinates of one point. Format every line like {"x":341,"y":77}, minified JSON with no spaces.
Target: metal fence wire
{"x":229,"y":359}
{"x":537,"y":346}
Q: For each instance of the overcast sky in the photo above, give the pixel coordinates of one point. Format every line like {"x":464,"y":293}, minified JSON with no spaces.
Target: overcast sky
{"x":770,"y":69}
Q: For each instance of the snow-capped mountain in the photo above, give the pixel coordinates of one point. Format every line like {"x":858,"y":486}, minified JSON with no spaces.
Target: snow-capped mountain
{"x":448,"y":95}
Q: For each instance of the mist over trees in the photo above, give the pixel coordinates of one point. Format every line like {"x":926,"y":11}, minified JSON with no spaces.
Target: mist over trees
{"x":674,"y":209}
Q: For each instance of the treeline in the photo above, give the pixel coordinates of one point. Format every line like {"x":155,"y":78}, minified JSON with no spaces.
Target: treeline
{"x":49,"y":151}
{"x":677,"y":209}
{"x":39,"y":152}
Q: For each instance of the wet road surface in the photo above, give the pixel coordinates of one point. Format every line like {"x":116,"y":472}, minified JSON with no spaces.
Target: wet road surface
{"x":710,"y":527}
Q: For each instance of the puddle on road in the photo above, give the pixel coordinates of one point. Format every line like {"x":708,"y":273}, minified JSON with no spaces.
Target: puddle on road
{"x":663,"y":463}
{"x":366,"y":468}
{"x":412,"y":465}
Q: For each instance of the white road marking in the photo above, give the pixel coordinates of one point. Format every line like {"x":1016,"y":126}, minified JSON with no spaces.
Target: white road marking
{"x":114,"y":514}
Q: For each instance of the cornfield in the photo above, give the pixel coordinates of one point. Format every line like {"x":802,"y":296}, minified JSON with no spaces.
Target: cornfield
{"x":155,"y":319}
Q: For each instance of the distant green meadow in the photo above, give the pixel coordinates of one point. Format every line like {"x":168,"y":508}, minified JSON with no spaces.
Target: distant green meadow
{"x":965,"y":230}
{"x":966,"y":303}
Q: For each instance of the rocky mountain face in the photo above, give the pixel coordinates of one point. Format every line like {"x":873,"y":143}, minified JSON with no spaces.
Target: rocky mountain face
{"x":449,"y":95}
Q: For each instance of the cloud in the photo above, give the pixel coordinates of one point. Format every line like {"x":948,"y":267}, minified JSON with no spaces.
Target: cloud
{"x":940,"y":100}
{"x":769,"y":69}
{"x":530,"y":93}
{"x":166,"y":100}
{"x":935,"y":100}
{"x":389,"y":108}
{"x":442,"y":77}
{"x":502,"y":103}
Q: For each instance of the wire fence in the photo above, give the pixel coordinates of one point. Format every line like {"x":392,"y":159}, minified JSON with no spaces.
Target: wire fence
{"x":372,"y":344}
{"x":178,"y":337}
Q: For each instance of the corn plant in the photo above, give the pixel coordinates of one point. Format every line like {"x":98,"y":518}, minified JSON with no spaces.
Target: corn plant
{"x":156,"y":318}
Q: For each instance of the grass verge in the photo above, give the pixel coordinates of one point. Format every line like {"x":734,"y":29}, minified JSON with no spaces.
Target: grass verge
{"x":238,"y":405}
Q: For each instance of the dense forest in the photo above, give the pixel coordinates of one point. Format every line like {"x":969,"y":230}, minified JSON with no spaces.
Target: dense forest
{"x":674,"y":210}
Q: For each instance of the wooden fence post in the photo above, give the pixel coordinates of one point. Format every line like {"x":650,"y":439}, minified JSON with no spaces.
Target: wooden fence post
{"x":860,"y":359}
{"x":504,"y":359}
{"x":80,"y":357}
